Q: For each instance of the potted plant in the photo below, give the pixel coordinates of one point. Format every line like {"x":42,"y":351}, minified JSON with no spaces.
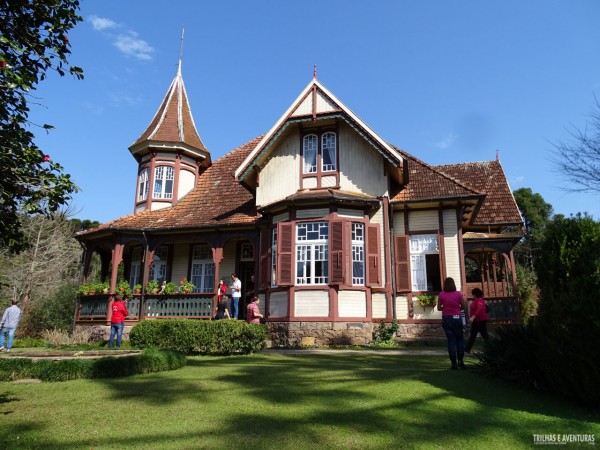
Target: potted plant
{"x":169,"y":288}
{"x":123,"y":288}
{"x":426,"y":300}
{"x":137,"y":289}
{"x":185,"y":286}
{"x":102,"y":288}
{"x":84,"y":289}
{"x":152,"y":287}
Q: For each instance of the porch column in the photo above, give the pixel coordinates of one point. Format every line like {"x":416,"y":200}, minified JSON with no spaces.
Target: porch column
{"x":117,"y":258}
{"x":217,"y":258}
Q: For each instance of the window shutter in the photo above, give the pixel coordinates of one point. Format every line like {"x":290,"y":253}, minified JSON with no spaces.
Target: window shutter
{"x":402,"y":264}
{"x":372,"y":254}
{"x":337,"y":239}
{"x":285,"y":249}
{"x":265,"y":246}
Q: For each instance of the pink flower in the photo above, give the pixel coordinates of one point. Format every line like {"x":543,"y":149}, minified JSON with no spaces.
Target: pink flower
{"x":2,"y":63}
{"x":46,"y":158}
{"x":66,"y":39}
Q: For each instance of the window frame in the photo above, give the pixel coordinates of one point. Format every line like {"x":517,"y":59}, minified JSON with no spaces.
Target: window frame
{"x":205,"y":264}
{"x":143,"y":184}
{"x":419,"y":274}
{"x":167,"y":173}
{"x":315,"y":253}
{"x":320,"y":170}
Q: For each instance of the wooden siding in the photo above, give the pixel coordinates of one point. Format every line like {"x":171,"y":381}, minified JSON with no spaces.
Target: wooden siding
{"x":280,"y":175}
{"x":189,"y":161}
{"x":140,"y":208}
{"x":352,"y":304}
{"x":428,"y":312}
{"x":306,"y":107}
{"x":355,"y":213}
{"x":401,"y":307}
{"x":451,"y":244}
{"x":283,"y":217}
{"x":187,"y":180}
{"x":181,"y":255}
{"x":378,"y":306}
{"x":311,"y":303}
{"x":310,"y":213}
{"x":378,"y":219}
{"x":361,"y":167}
{"x":309,"y":183}
{"x":278,"y":304}
{"x":423,"y":220}
{"x":228,"y":263}
{"x":328,"y":181}
{"x":159,"y":205}
{"x":398,"y":220}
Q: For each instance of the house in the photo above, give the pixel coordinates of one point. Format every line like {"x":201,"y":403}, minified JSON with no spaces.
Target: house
{"x":334,"y":228}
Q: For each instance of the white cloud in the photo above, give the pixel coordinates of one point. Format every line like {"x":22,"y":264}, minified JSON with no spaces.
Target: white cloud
{"x":447,"y":141}
{"x":131,"y":45}
{"x":102,"y":23}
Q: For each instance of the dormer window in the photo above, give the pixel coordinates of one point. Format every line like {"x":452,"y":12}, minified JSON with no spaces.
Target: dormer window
{"x":163,"y":182}
{"x":310,"y":149}
{"x":143,"y":185}
{"x":328,"y":152}
{"x":320,"y":160}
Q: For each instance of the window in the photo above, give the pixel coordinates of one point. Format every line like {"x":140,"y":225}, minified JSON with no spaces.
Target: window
{"x":203,"y":269}
{"x":274,"y":258}
{"x":135,"y":274}
{"x":158,"y":268}
{"x":143,"y":186}
{"x":326,"y":154}
{"x":163,"y":182}
{"x":425,"y":263}
{"x":312,"y":253}
{"x":358,"y":254}
{"x":328,"y":148}
{"x":246,"y":252}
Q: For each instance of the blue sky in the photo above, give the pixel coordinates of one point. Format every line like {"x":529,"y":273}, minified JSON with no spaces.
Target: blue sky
{"x":446,"y":81}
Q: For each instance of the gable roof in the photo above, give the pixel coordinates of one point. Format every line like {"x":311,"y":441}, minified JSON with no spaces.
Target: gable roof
{"x":217,"y":199}
{"x":317,"y":101}
{"x":499,"y":206}
{"x":173,"y":124}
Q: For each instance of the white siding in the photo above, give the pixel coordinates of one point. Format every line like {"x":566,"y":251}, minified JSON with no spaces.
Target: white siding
{"x":328,"y":181}
{"x":401,"y":307}
{"x":308,"y":213}
{"x":228,"y":263}
{"x":181,"y":254}
{"x":355,"y":213}
{"x":428,"y":312}
{"x":306,"y":107}
{"x":187,"y":160}
{"x":378,"y":219}
{"x":281,"y":217}
{"x":159,"y":205}
{"x":352,"y":304}
{"x":309,"y":183}
{"x":186,"y":182}
{"x":278,"y":304}
{"x":280,"y":174}
{"x":423,"y":220}
{"x":452,"y":255}
{"x":361,"y":166}
{"x":311,"y":304}
{"x":140,"y":208}
{"x":399,"y":223}
{"x":378,"y":305}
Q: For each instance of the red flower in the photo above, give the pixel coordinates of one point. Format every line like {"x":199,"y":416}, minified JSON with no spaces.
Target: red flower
{"x":46,"y":158}
{"x":2,"y":63}
{"x":66,"y":39}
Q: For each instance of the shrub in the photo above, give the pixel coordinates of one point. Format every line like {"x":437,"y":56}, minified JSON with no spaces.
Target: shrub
{"x":568,"y":322}
{"x":427,"y":299}
{"x":219,"y":337}
{"x":510,"y":353}
{"x":150,"y":360}
{"x":27,"y":342}
{"x":383,"y":335}
{"x":61,"y":338}
{"x":527,"y":283}
{"x":55,"y":312}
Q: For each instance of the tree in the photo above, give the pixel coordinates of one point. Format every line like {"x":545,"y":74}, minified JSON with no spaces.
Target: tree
{"x":33,"y":42}
{"x":578,"y":161}
{"x":536,"y":213}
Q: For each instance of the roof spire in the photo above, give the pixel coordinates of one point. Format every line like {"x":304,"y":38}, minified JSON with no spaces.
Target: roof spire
{"x":180,"y":52}
{"x":315,"y":72}
{"x":497,"y":155}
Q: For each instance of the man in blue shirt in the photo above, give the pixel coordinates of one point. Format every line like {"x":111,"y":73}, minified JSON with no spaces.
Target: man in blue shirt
{"x":9,"y":324}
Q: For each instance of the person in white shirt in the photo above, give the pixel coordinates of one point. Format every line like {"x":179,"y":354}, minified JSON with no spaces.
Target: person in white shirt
{"x":236,"y":293}
{"x":9,"y":324}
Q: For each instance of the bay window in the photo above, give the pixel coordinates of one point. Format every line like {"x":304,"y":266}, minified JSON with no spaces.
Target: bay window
{"x":163,"y":182}
{"x":143,"y":185}
{"x":312,"y":253}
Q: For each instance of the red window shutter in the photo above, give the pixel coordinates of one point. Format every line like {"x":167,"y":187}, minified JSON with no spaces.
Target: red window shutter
{"x":372,"y":254}
{"x":402,"y":264}
{"x":265,"y":247}
{"x":337,"y":238}
{"x":285,"y":249}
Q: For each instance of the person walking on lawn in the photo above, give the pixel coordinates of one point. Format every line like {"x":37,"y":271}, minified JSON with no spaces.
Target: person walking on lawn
{"x":117,"y":321}
{"x":478,"y":319}
{"x":9,"y":324}
{"x":451,"y":302}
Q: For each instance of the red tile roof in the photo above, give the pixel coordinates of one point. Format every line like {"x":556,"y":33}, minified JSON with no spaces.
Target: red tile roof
{"x":499,"y":206}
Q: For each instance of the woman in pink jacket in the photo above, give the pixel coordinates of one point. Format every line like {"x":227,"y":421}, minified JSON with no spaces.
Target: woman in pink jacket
{"x":451,"y":302}
{"x":477,"y":318}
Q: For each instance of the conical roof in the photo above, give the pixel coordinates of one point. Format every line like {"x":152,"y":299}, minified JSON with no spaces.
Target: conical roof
{"x":172,"y":124}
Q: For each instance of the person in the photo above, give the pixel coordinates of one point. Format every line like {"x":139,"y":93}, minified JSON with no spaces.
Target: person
{"x":221,"y":291}
{"x":478,"y":319}
{"x":117,"y":322}
{"x":254,"y":314}
{"x":9,"y":324}
{"x":451,"y":302}
{"x":236,"y":293}
{"x":222,"y":311}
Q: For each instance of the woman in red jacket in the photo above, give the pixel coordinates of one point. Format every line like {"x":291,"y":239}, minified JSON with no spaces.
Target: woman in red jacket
{"x":117,"y":321}
{"x":477,"y":318}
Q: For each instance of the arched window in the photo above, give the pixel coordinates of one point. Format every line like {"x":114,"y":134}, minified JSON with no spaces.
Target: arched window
{"x":309,"y":150}
{"x":328,"y":152}
{"x":163,"y":182}
{"x":143,"y":185}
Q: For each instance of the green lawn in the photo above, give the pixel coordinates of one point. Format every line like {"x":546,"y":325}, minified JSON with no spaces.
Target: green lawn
{"x":277,"y":401}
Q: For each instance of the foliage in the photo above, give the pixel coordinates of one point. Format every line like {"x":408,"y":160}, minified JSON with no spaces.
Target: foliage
{"x":186,"y":286}
{"x":510,"y":353}
{"x":151,"y":360}
{"x":100,"y":287}
{"x":578,"y":161}
{"x":527,"y":285}
{"x":426,"y":299}
{"x":536,"y":213}
{"x":169,"y":288}
{"x":86,"y":224}
{"x":33,"y":41}
{"x":62,"y":338}
{"x":569,"y":314}
{"x":28,"y":342}
{"x":137,"y":288}
{"x":123,"y":288}
{"x":218,"y":337}
{"x":55,"y":312}
{"x":152,"y":287}
{"x":384,"y":334}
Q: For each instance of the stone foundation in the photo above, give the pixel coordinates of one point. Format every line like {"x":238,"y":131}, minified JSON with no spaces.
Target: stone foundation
{"x":102,"y":332}
{"x":309,"y":334}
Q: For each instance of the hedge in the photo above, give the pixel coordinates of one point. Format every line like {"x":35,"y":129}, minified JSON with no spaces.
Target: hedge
{"x":217,"y":337}
{"x":150,"y":360}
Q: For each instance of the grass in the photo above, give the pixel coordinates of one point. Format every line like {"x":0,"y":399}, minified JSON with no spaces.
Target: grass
{"x":279,"y":401}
